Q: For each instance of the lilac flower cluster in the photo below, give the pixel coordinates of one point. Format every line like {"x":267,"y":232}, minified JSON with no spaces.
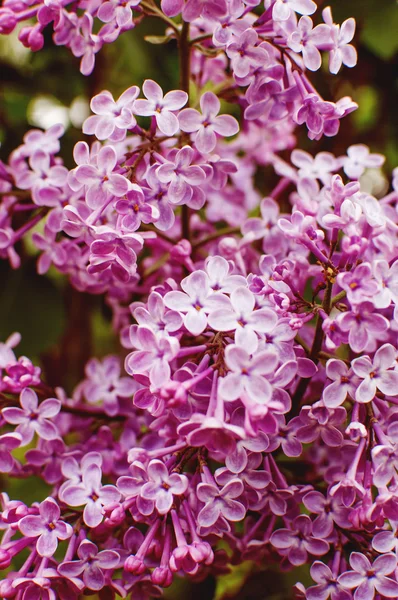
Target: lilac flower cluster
{"x":259,"y":396}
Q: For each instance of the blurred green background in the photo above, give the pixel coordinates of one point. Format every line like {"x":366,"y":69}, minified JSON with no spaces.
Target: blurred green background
{"x":62,"y":328}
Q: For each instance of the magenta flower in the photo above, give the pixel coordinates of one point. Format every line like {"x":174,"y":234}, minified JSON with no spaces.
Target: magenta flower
{"x":358,"y":283}
{"x":91,"y":565}
{"x":358,"y":159}
{"x":134,"y":209}
{"x":156,"y":317}
{"x":241,"y":317}
{"x":196,"y":301}
{"x":44,"y":180}
{"x":112,"y":118}
{"x":115,"y":252}
{"x":91,"y":494}
{"x":247,"y":374}
{"x":342,"y":53}
{"x":344,"y":382}
{"x":161,"y":107}
{"x":306,"y":39}
{"x":245,"y":55}
{"x":118,"y":11}
{"x":220,"y":502}
{"x":153,"y":355}
{"x":162,"y":487}
{"x":210,"y":9}
{"x":33,"y":418}
{"x":297,"y":542}
{"x":207,"y":124}
{"x":183,"y":179}
{"x":327,"y":584}
{"x":281,"y":10}
{"x":47,"y":526}
{"x":378,"y":374}
{"x":100,"y":181}
{"x":369,"y":579}
{"x":8,"y":442}
{"x":220,"y":277}
{"x":85,"y":44}
{"x":362,"y":325}
{"x":131,"y":487}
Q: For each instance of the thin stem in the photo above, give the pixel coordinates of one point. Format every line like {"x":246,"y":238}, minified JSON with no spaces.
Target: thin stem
{"x":215,"y":235}
{"x":184,"y":50}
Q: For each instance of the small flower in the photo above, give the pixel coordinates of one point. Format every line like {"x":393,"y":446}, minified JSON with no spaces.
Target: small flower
{"x":244,"y":53}
{"x":161,"y":107}
{"x":45,"y":181}
{"x":112,"y":118}
{"x":207,"y":124}
{"x":8,"y":442}
{"x":33,"y":418}
{"x":281,"y":10}
{"x":162,"y":487}
{"x":358,"y":159}
{"x":91,"y":564}
{"x":368,"y":578}
{"x":297,"y":542}
{"x":47,"y":526}
{"x":378,"y":374}
{"x":183,"y":179}
{"x":220,"y":502}
{"x":343,"y":383}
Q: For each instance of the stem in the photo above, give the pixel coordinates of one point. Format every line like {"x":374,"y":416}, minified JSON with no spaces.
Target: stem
{"x":216,"y":234}
{"x":184,"y":50}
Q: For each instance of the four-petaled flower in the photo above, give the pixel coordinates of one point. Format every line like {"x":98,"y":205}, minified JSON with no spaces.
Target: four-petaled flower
{"x":220,"y":502}
{"x":161,"y":107}
{"x":368,"y":578}
{"x":47,"y":527}
{"x":378,"y":374}
{"x":162,"y":486}
{"x":91,"y":565}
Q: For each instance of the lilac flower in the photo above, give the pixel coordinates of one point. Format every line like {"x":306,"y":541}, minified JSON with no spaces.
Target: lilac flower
{"x":220,"y":502}
{"x":244,"y":53}
{"x":343,"y":383}
{"x":328,"y":585}
{"x":329,"y":511}
{"x":131,"y":487}
{"x":358,"y":159}
{"x":247,"y":374}
{"x":33,"y":418}
{"x":306,"y":39}
{"x":153,"y":355}
{"x":92,"y":494}
{"x":161,"y":107}
{"x":8,"y":442}
{"x":376,"y":374}
{"x":91,"y":565}
{"x":358,"y":283}
{"x":241,"y":317}
{"x":44,"y":180}
{"x":156,"y":317}
{"x":196,"y":301}
{"x":100,"y":181}
{"x":297,"y":542}
{"x":387,"y":279}
{"x":281,"y":10}
{"x":207,"y":124}
{"x":47,"y":526}
{"x":116,"y":253}
{"x":342,"y":53}
{"x":210,"y":9}
{"x":104,"y":383}
{"x":118,"y":11}
{"x":20,"y":374}
{"x":362,"y":325}
{"x":134,"y":209}
{"x":368,"y":578}
{"x":111,"y":119}
{"x":321,"y":166}
{"x":220,"y":277}
{"x":85,"y":44}
{"x":162,"y":487}
{"x":183,"y":179}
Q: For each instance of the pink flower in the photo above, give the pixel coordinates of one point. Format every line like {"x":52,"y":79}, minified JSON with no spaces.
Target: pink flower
{"x":245,"y":55}
{"x":240,"y":316}
{"x":183,"y":179}
{"x":162,"y":487}
{"x":47,"y":527}
{"x":207,"y":124}
{"x":342,"y":53}
{"x":161,"y":107}
{"x":378,"y":374}
{"x":343,"y":383}
{"x":358,"y":159}
{"x":44,"y":180}
{"x":91,"y":565}
{"x":220,"y":502}
{"x":91,"y":494}
{"x":118,"y":11}
{"x":306,"y":39}
{"x":112,"y":118}
{"x":281,"y":10}
{"x":368,"y":578}
{"x":297,"y":542}
{"x":33,"y":418}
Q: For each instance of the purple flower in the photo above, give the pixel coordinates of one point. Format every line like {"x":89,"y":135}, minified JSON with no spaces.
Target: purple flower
{"x":241,"y":317}
{"x":343,"y":383}
{"x":306,"y":39}
{"x":197,"y":300}
{"x":118,"y":11}
{"x":134,"y":209}
{"x":85,"y":44}
{"x":112,"y":118}
{"x":92,"y":494}
{"x":131,"y":487}
{"x":153,"y":355}
{"x":362,"y":325}
{"x":208,"y":123}
{"x":244,"y":53}
{"x":162,"y":487}
{"x":220,"y":502}
{"x":297,"y":542}
{"x":376,"y":374}
{"x":368,"y":578}
{"x":328,"y":585}
{"x":44,"y":180}
{"x":161,"y":107}
{"x":358,"y":283}
{"x":47,"y":526}
{"x":91,"y":564}
{"x":281,"y":10}
{"x":342,"y":53}
{"x":358,"y":159}
{"x":33,"y":418}
{"x":100,"y":181}
{"x":210,"y":9}
{"x":155,"y":316}
{"x":115,"y":253}
{"x":247,"y":374}
{"x":183,"y":179}
{"x":8,"y":442}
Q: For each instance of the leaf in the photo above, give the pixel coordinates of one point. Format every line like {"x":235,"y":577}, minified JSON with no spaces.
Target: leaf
{"x":380,"y":30}
{"x":157,"y":39}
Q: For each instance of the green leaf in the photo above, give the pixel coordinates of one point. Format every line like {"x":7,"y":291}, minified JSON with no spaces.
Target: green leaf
{"x":157,"y":39}
{"x":380,"y":29}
